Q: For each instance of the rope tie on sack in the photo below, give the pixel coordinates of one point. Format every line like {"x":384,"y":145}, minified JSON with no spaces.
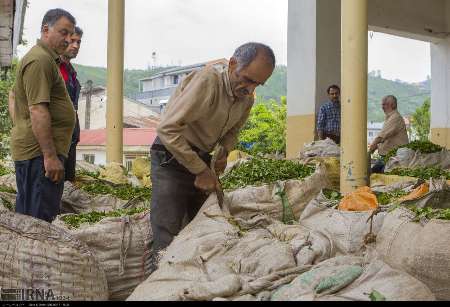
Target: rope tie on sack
{"x":124,"y":248}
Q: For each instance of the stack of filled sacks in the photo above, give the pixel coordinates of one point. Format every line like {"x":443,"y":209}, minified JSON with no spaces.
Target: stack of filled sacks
{"x":326,"y":152}
{"x":354,"y":220}
{"x":8,"y":188}
{"x":37,"y":255}
{"x":252,"y":250}
{"x":253,"y":247}
{"x":107,"y":190}
{"x":120,"y":240}
{"x":418,"y":154}
{"x":415,"y":237}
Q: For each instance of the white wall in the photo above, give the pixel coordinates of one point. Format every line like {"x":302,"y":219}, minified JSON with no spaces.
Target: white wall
{"x":314,"y":44}
{"x":100,"y":156}
{"x":98,"y":111}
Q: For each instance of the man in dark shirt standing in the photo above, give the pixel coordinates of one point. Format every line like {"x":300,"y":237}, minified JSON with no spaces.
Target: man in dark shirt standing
{"x":73,"y":88}
{"x":329,"y":119}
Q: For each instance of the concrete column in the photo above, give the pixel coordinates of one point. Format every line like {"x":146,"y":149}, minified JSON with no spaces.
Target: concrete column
{"x":314,"y":63}
{"x":440,"y":93}
{"x":354,"y":95}
{"x":114,"y":107}
{"x":440,"y":87}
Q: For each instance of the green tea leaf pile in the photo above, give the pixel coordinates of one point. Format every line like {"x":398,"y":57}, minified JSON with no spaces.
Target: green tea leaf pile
{"x":389,"y":197}
{"x":124,"y":192}
{"x":424,"y":147}
{"x":430,"y":213}
{"x":76,"y":220}
{"x":7,"y":190}
{"x":4,"y":171}
{"x":424,"y":173}
{"x":259,"y":171}
{"x":95,"y":175}
{"x":332,"y":195}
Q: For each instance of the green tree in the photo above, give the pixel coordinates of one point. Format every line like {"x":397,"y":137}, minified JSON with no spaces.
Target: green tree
{"x":265,"y":130}
{"x":420,"y":122}
{"x":6,"y":82}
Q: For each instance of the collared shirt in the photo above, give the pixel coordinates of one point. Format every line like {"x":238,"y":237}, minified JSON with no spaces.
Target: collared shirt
{"x":39,"y":80}
{"x":73,"y":86}
{"x":393,"y":134}
{"x":203,"y":112}
{"x":329,"y":119}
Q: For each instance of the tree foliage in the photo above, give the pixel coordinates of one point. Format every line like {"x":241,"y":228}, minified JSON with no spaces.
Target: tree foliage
{"x":265,"y":131}
{"x":7,"y":78}
{"x":420,"y":122}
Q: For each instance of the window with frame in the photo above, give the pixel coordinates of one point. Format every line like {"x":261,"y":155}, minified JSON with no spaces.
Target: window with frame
{"x":90,"y":158}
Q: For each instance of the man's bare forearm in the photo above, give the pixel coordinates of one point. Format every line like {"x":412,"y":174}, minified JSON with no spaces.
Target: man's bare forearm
{"x":41,"y":126}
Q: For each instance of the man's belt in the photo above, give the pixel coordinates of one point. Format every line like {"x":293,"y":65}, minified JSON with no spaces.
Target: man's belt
{"x":161,"y":147}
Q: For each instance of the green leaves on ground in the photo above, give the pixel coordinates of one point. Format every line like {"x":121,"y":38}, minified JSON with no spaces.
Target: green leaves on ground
{"x":260,"y":171}
{"x":76,"y":220}
{"x":124,"y":192}
{"x":424,"y":173}
{"x":424,"y":147}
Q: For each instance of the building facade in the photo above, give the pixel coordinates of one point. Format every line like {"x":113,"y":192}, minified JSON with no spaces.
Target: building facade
{"x":95,"y":117}
{"x":136,"y":144}
{"x":156,"y":90}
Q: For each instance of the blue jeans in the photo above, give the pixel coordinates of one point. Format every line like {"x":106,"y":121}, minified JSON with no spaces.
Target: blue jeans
{"x":37,"y":195}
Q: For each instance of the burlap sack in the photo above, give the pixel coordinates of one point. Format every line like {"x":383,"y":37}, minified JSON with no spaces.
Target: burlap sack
{"x":9,"y":181}
{"x":244,"y":254}
{"x":416,"y":159}
{"x":325,"y":148}
{"x":38,"y":255}
{"x":421,"y":249}
{"x":86,"y":166}
{"x":121,"y":246}
{"x":346,"y":229}
{"x":8,"y":201}
{"x":140,"y":167}
{"x":76,"y":201}
{"x":353,"y":279}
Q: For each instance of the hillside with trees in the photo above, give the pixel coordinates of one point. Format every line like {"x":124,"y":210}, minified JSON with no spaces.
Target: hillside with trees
{"x":410,"y":96}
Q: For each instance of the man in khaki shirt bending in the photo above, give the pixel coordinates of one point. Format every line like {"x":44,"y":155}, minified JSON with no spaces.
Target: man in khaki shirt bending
{"x":392,"y":135}
{"x":207,"y":109}
{"x":44,"y":119}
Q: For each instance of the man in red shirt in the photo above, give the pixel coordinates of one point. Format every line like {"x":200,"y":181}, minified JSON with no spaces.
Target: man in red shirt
{"x":73,"y":88}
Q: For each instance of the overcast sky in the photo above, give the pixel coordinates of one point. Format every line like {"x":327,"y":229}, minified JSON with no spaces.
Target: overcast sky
{"x":192,"y":31}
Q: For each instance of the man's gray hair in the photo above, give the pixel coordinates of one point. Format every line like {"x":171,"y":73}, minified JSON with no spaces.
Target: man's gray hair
{"x":52,"y":16}
{"x":394,"y":100}
{"x":246,"y":53}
